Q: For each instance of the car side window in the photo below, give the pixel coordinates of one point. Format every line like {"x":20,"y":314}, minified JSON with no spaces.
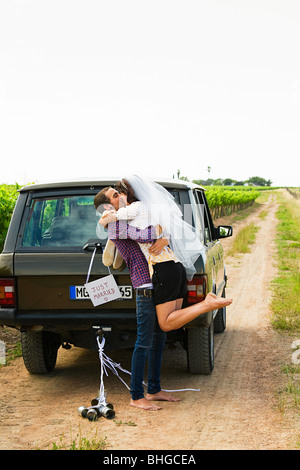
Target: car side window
{"x":202,"y":205}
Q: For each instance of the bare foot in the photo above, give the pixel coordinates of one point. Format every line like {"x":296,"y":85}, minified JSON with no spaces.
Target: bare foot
{"x":144,"y":404}
{"x":161,"y":396}
{"x":215,"y":302}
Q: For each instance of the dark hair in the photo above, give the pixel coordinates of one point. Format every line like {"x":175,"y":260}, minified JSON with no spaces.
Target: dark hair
{"x":101,"y":197}
{"x":124,"y":187}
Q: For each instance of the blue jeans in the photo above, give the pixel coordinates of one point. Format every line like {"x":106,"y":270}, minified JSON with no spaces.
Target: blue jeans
{"x":149,"y":345}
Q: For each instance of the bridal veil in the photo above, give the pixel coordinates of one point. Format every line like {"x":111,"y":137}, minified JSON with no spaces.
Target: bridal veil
{"x":164,"y":211}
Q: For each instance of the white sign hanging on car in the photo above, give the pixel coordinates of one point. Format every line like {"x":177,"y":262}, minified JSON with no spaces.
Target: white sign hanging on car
{"x":103,"y":290}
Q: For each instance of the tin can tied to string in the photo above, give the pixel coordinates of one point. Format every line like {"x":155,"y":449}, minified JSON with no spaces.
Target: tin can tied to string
{"x":100,"y":291}
{"x":99,"y":407}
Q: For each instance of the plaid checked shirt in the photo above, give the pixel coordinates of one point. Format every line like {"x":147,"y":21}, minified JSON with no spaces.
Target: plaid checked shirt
{"x":125,"y":237}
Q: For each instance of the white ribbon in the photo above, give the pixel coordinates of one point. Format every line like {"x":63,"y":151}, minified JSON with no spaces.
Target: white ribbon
{"x":91,"y":264}
{"x":107,"y":363}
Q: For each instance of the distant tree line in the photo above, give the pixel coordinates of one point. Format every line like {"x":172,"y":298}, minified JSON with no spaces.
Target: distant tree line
{"x":253,"y":181}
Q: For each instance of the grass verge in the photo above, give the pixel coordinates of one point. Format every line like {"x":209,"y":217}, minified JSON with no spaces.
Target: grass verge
{"x":91,"y":442}
{"x":285,"y":303}
{"x":286,"y":286}
{"x":243,"y":240}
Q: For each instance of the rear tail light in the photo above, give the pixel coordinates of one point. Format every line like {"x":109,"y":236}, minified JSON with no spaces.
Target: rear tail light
{"x":196,"y":289}
{"x":7,"y":293}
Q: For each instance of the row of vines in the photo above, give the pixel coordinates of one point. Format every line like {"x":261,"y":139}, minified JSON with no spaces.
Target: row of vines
{"x":8,"y":198}
{"x":295,"y":192}
{"x":225,"y":200}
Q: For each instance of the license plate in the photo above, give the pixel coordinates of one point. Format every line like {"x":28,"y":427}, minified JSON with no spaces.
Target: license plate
{"x":80,"y":292}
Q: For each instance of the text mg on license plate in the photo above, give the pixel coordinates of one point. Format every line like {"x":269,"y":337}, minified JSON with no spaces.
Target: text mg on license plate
{"x":80,"y":292}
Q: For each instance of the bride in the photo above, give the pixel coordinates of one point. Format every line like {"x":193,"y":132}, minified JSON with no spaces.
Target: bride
{"x":149,"y":204}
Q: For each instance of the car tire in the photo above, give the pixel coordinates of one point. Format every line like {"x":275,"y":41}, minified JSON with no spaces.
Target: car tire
{"x":39,"y":349}
{"x":220,"y":318}
{"x":200,"y":349}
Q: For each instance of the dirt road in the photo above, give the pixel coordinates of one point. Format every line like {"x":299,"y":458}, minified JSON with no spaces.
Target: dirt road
{"x":236,"y":407}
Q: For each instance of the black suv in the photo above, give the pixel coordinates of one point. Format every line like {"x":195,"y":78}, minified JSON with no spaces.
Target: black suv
{"x":44,"y":265}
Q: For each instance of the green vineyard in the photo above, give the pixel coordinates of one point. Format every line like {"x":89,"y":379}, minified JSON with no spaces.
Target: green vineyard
{"x":225,"y":200}
{"x":8,"y":198}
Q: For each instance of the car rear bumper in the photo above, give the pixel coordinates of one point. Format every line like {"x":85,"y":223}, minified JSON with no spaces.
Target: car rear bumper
{"x":84,"y":318}
{"x":13,"y":317}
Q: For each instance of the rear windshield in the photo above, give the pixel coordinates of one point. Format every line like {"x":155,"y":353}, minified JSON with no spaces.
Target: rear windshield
{"x":61,"y":221}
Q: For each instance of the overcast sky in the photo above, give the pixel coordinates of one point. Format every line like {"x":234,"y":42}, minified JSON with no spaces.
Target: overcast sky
{"x":119,"y":86}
